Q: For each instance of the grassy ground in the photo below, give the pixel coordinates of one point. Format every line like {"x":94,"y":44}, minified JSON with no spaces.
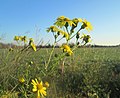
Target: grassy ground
{"x":88,"y":73}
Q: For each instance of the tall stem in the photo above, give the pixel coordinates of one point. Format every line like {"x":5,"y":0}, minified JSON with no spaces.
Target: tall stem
{"x":50,"y":56}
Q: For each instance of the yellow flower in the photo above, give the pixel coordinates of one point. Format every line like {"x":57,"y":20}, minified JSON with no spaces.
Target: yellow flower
{"x":33,"y":46}
{"x":58,"y":31}
{"x":69,"y":53}
{"x":79,"y":19}
{"x":47,"y":84}
{"x":16,"y":38}
{"x":61,"y":17}
{"x":70,"y":22}
{"x":67,"y":49}
{"x":39,"y":88}
{"x":86,"y":38}
{"x":24,"y":38}
{"x":66,"y":35}
{"x":63,"y":21}
{"x":31,"y":43}
{"x":21,"y":80}
{"x":76,"y":20}
{"x":31,"y":39}
{"x":52,"y":29}
{"x":86,"y":25}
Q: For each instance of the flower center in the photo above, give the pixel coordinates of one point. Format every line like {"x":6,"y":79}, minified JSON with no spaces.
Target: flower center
{"x":39,"y":86}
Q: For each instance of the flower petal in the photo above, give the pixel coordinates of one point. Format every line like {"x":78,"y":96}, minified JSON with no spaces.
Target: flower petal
{"x":44,"y":88}
{"x":38,"y":93}
{"x":34,"y":89}
{"x":33,"y":82}
{"x":36,"y":81}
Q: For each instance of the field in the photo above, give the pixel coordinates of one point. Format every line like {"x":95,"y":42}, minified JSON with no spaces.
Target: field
{"x":88,"y":73}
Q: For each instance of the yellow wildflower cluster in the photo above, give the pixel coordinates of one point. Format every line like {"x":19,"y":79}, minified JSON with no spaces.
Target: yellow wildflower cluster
{"x":20,"y":38}
{"x":39,"y":88}
{"x":64,"y":21}
{"x":58,"y":31}
{"x":24,"y":39}
{"x":65,"y":26}
{"x":67,"y":49}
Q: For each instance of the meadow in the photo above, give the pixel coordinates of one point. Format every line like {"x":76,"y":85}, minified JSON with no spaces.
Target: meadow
{"x":69,"y":71}
{"x":88,"y":73}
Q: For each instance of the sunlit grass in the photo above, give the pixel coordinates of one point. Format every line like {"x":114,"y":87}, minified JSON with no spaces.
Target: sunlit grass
{"x":88,"y":66}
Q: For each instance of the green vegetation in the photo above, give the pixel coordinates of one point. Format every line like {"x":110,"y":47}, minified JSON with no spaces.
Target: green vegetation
{"x":27,"y":71}
{"x":90,"y":71}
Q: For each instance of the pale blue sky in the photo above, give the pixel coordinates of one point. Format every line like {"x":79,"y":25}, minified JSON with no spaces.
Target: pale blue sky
{"x":23,"y":17}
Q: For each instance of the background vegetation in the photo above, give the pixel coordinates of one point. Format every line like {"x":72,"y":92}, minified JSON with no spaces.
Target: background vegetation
{"x":69,"y":71}
{"x":89,"y":72}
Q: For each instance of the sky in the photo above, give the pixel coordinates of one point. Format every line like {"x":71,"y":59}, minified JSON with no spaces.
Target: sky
{"x":33,"y":17}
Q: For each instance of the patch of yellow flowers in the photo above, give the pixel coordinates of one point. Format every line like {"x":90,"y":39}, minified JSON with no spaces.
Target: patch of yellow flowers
{"x":66,"y":27}
{"x":20,"y":38}
{"x":24,"y":39}
{"x":58,"y":31}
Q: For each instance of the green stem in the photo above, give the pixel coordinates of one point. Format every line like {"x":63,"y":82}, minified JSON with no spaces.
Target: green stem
{"x":67,"y":30}
{"x":75,"y":33}
{"x":59,"y":39}
{"x":50,"y":56}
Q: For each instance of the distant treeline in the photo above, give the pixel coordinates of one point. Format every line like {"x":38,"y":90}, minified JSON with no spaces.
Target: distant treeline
{"x":9,"y":45}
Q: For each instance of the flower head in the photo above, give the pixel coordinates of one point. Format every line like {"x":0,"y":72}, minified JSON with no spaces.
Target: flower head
{"x":67,"y":49}
{"x":16,"y":38}
{"x":39,"y":88}
{"x":47,"y":84}
{"x":31,"y":43}
{"x":21,"y":80}
{"x":58,"y":31}
{"x":24,"y":39}
{"x":86,"y":38}
{"x":66,"y":35}
{"x":63,"y":21}
{"x":52,"y":29}
{"x":31,"y":39}
{"x":86,"y":25}
{"x":33,"y":46}
{"x":75,"y":21}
